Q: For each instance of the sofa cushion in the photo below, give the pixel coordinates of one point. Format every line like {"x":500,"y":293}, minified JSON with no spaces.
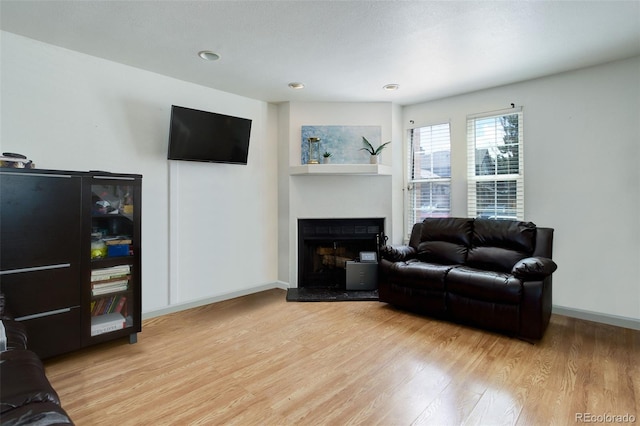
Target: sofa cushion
{"x":445,"y":240}
{"x":498,"y":245}
{"x":417,"y":274}
{"x":510,"y":234}
{"x":442,"y":252}
{"x":490,"y":286}
{"x":494,"y":258}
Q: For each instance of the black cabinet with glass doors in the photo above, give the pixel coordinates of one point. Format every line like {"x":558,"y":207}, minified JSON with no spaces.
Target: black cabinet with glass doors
{"x":70,"y":256}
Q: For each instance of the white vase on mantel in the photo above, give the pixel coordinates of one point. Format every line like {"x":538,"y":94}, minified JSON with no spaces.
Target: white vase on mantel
{"x":373,"y":159}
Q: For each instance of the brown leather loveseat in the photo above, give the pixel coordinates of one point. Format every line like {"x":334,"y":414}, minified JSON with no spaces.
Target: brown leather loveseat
{"x":494,"y":274}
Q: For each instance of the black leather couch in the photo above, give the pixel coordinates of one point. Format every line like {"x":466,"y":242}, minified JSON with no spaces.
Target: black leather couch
{"x":493,"y":274}
{"x":26,"y":396}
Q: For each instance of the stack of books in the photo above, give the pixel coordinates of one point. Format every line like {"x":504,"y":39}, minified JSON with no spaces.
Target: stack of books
{"x":107,"y":323}
{"x":110,"y":280}
{"x":109,"y":309}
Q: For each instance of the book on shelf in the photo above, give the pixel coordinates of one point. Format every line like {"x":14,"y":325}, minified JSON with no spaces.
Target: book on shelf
{"x":111,"y":308}
{"x":109,"y":286}
{"x":113,"y":282}
{"x":108,"y":277}
{"x":114,"y":270}
{"x":102,"y":306}
{"x":106,"y":323}
{"x":108,"y":290}
{"x":120,"y":304}
{"x":96,"y":309}
{"x":111,"y":241}
{"x":108,"y":305}
{"x":108,"y":273}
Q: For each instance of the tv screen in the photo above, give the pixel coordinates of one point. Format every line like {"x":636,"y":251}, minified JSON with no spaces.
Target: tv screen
{"x":206,"y":136}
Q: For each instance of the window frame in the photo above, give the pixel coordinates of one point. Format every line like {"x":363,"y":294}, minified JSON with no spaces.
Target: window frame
{"x":473,"y":178}
{"x":410,"y":216}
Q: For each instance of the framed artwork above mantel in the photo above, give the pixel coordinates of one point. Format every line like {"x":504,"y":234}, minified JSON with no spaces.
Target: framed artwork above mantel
{"x":343,"y":142}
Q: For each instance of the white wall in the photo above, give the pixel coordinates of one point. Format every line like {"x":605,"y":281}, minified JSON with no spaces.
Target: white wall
{"x":66,"y":110}
{"x":582,"y":162}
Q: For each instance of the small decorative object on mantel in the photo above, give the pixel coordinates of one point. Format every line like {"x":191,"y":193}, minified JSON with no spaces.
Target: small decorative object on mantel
{"x":314,"y":150}
{"x":326,"y":157}
{"x":374,"y":152}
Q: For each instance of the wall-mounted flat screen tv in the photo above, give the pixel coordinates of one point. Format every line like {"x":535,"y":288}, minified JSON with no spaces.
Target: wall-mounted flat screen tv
{"x":207,"y":136}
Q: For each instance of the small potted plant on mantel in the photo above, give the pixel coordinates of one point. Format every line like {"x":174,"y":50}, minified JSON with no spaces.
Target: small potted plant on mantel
{"x":374,"y":152}
{"x":326,"y":157}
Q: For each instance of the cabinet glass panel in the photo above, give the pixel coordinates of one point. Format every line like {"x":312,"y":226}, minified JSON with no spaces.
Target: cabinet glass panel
{"x":112,"y":251}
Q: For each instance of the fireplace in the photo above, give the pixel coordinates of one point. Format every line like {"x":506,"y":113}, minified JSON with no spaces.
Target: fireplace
{"x":326,"y":245}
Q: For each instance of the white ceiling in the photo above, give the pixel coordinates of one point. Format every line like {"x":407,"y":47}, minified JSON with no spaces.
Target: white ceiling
{"x":343,"y":51}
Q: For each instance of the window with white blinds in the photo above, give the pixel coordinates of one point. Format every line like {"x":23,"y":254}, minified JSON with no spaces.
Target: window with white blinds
{"x":429,"y":173}
{"x":495,"y":165}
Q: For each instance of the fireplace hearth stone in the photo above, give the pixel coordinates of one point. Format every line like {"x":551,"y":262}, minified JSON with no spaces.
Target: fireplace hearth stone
{"x":330,"y":295}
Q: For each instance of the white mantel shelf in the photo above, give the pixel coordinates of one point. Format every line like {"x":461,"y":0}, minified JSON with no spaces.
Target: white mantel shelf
{"x":340,"y":169}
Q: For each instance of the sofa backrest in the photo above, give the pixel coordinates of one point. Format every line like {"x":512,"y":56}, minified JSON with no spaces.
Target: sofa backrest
{"x":445,"y":240}
{"x":483,"y":243}
{"x":544,"y":242}
{"x":497,"y":245}
{"x":416,"y":231}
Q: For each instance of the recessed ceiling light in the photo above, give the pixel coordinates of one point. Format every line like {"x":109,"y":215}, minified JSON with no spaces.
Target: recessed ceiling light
{"x":391,"y":86}
{"x":208,"y":55}
{"x":296,"y":85}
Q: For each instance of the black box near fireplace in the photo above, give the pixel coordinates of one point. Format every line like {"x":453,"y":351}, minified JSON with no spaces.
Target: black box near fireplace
{"x":326,"y":245}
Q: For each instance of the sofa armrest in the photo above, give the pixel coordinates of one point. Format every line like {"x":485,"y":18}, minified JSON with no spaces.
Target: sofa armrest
{"x":535,"y":308}
{"x":397,"y":253}
{"x":534,"y":268}
{"x":13,"y":335}
{"x":23,"y":381}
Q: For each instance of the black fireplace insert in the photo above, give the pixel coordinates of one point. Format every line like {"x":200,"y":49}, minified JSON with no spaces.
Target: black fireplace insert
{"x":325,"y":245}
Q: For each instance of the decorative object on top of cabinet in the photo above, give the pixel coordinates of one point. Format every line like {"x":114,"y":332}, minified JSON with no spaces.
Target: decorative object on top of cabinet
{"x":15,"y":161}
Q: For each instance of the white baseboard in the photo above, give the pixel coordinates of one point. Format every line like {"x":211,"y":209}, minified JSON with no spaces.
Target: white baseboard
{"x":616,"y":320}
{"x":281,"y":284}
{"x":206,"y":301}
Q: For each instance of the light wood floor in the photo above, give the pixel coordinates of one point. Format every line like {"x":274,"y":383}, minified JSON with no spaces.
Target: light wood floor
{"x":261,"y":360}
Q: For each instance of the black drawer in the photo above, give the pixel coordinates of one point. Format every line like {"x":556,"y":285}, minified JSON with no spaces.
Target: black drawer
{"x":40,"y":219}
{"x":29,"y":292}
{"x":54,"y":333}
